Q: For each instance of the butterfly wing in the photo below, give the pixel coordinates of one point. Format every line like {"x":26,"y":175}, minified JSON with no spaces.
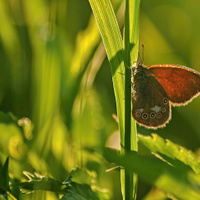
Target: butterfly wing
{"x":180,"y":83}
{"x":151,"y":107}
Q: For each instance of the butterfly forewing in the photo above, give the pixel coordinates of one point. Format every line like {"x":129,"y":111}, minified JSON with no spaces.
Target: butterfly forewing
{"x":180,"y":83}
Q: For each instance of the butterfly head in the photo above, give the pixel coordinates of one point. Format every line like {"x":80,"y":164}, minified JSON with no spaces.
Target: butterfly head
{"x":140,"y":72}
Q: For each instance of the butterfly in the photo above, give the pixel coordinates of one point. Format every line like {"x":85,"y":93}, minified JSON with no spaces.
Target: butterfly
{"x":158,"y":87}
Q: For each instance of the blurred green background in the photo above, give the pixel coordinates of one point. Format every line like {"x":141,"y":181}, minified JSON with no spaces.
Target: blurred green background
{"x":56,"y":93}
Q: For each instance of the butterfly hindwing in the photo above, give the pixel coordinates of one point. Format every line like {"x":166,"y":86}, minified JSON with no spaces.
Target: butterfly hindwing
{"x":151,"y":107}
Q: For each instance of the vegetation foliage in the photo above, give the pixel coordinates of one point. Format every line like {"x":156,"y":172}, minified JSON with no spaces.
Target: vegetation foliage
{"x":57,"y":101}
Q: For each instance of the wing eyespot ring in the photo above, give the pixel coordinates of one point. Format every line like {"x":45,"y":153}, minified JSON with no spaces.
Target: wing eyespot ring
{"x":152,"y":115}
{"x":159,"y":115}
{"x":165,"y":101}
{"x":138,"y":113}
{"x":145,"y":116}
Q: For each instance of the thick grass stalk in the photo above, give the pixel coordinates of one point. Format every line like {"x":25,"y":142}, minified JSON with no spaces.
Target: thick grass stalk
{"x":131,"y":42}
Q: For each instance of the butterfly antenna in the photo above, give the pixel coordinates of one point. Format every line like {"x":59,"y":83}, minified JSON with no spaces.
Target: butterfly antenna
{"x":142,"y":53}
{"x":141,"y":57}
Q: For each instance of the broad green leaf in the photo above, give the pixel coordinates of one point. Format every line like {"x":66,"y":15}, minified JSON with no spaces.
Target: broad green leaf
{"x":178,"y":181}
{"x":38,"y":182}
{"x":80,"y":176}
{"x":80,"y":192}
{"x":157,"y":144}
{"x":84,"y":192}
{"x":77,"y":186}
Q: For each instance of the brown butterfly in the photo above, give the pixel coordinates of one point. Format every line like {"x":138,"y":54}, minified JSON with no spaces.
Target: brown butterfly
{"x":157,"y":87}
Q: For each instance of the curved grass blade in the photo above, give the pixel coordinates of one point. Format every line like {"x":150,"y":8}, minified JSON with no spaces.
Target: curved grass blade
{"x":113,"y":44}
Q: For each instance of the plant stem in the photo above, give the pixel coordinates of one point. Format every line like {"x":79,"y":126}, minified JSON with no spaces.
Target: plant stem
{"x":131,"y":42}
{"x":127,"y":139}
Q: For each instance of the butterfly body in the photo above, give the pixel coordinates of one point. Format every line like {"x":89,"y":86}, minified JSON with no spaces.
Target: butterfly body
{"x":157,"y":87}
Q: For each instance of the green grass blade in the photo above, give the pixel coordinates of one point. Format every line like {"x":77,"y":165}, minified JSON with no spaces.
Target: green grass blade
{"x":131,"y":42}
{"x":112,"y":40}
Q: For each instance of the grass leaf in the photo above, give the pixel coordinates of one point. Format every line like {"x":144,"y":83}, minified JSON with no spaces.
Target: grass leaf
{"x":112,"y":40}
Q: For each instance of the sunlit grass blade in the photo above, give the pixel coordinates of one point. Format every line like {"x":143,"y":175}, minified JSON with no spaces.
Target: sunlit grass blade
{"x":131,"y":41}
{"x":112,"y":40}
